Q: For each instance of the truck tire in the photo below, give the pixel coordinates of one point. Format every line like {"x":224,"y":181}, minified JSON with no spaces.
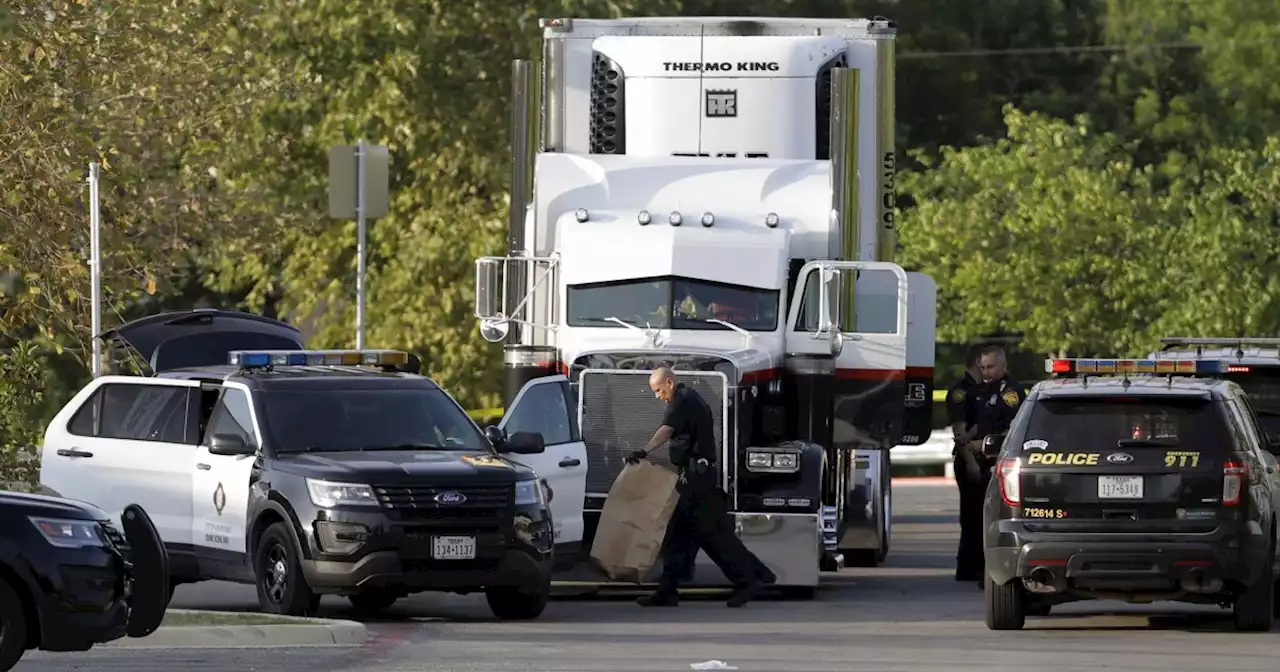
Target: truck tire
{"x":13,"y":627}
{"x":372,"y":601}
{"x":282,"y":589}
{"x":1255,"y":609}
{"x":517,"y":604}
{"x":1006,"y":605}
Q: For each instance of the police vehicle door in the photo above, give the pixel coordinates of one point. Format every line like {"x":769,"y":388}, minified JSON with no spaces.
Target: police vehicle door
{"x":543,"y":405}
{"x":220,"y":488}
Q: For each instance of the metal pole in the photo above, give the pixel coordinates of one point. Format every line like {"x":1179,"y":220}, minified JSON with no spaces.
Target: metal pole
{"x":95,"y":269}
{"x":361,"y":156}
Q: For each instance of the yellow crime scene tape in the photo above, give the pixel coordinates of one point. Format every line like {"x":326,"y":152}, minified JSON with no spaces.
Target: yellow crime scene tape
{"x":481,"y":414}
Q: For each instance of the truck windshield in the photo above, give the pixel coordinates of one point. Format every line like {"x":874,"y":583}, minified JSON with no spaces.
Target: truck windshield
{"x":325,"y":420}
{"x":1105,"y":422}
{"x":672,"y":303}
{"x":1262,"y":384}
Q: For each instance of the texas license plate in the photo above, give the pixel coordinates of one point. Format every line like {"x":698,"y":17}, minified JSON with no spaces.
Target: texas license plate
{"x":453,"y":548}
{"x":1120,"y":487}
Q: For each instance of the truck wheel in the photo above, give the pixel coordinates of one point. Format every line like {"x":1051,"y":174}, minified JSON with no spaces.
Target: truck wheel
{"x":1255,"y":609}
{"x":516,"y":604}
{"x":373,"y":601}
{"x":13,"y":627}
{"x":282,"y":589}
{"x":1006,"y":605}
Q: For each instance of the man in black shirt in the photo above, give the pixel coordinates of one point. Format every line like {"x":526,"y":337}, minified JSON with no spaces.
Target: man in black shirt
{"x":701,"y":519}
{"x":1000,"y":398}
{"x":963,"y":399}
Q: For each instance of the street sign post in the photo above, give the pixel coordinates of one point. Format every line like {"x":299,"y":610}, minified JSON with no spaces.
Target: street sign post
{"x":95,"y":267}
{"x":359,"y":179}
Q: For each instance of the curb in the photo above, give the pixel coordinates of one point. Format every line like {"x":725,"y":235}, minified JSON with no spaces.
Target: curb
{"x":306,"y":632}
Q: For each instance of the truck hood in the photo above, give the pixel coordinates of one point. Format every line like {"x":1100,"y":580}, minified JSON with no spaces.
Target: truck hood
{"x":404,"y":466}
{"x":51,"y":507}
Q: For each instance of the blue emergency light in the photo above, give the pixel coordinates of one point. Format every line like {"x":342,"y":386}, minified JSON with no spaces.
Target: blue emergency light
{"x":1186,"y":367}
{"x":256,"y":359}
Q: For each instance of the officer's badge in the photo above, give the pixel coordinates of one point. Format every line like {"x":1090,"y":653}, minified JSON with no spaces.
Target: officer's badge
{"x":1010,"y":398}
{"x":957,"y":396}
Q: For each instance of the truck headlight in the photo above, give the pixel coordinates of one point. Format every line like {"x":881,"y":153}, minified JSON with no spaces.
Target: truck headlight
{"x":326,"y":494}
{"x":530,"y":493}
{"x":773,"y":462}
{"x":65,"y":533}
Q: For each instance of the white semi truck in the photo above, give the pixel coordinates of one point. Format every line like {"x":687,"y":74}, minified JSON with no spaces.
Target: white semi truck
{"x":716,"y":195}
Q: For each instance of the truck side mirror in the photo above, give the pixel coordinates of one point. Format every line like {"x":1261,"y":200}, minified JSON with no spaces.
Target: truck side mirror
{"x":489,"y":300}
{"x":991,"y":445}
{"x":524,"y":443}
{"x":496,"y":435}
{"x":229,"y":444}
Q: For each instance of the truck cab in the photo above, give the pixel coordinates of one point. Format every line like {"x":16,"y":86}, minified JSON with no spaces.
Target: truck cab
{"x":716,"y":195}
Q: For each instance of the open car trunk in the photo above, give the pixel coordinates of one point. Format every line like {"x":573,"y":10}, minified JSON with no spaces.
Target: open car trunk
{"x":200,"y":337}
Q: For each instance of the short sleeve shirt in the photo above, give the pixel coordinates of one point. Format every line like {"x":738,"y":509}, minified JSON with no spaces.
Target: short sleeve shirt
{"x":963,"y":401}
{"x":1001,"y":400}
{"x":689,"y":416}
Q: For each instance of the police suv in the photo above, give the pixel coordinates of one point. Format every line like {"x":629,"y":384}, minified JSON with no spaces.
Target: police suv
{"x":305,"y":472}
{"x":1134,"y":480}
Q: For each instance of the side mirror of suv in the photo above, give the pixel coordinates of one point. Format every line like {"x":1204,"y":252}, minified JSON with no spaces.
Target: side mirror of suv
{"x":229,"y":444}
{"x":991,"y":445}
{"x":524,"y":443}
{"x":496,"y":436}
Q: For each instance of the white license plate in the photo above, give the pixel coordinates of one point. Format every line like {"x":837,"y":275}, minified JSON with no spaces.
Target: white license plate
{"x":1120,"y":487}
{"x":453,"y":548}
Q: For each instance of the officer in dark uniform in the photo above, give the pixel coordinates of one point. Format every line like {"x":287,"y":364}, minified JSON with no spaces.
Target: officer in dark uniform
{"x":963,"y":398}
{"x":701,"y":519}
{"x":1001,"y":397}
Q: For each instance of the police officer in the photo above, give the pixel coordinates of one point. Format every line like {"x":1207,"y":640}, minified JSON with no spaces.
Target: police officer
{"x":962,"y":412}
{"x":701,"y":519}
{"x":1001,"y":397}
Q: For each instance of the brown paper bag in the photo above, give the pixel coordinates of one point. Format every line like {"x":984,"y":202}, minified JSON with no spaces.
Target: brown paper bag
{"x":634,"y":520}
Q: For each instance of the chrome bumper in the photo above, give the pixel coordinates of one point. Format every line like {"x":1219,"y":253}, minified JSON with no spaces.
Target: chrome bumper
{"x":866,"y":518}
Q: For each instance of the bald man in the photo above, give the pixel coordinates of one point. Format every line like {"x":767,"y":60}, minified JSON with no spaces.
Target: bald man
{"x":701,"y":519}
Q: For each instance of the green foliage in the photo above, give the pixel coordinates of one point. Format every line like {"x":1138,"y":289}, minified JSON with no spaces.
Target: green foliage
{"x":21,"y":399}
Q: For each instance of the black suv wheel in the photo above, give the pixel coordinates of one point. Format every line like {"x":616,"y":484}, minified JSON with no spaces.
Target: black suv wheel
{"x":13,"y":627}
{"x":517,"y":604}
{"x":1006,"y":605}
{"x":282,"y":589}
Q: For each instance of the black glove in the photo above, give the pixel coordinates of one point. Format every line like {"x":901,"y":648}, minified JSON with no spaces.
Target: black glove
{"x":635,"y":457}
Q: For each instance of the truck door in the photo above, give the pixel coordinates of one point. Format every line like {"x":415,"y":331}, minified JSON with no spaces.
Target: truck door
{"x":873,"y":305}
{"x":543,"y":405}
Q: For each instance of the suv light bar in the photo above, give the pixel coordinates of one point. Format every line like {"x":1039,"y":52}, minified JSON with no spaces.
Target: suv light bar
{"x":253,"y":359}
{"x":1070,"y":367}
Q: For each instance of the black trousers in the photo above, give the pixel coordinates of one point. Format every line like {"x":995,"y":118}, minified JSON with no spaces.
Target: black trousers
{"x":969,"y":555}
{"x":702,"y":521}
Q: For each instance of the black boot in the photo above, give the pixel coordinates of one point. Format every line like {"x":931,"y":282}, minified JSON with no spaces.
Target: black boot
{"x":659,"y":598}
{"x":744,"y":595}
{"x":766,"y":576}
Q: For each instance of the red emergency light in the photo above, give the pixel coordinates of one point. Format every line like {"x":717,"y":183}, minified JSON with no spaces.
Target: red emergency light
{"x":1237,"y":368}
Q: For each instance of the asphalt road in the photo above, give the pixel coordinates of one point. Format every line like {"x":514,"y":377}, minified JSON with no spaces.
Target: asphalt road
{"x":908,"y":616}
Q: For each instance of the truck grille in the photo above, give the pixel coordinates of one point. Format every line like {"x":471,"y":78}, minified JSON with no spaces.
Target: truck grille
{"x":485,"y":505}
{"x":620,"y":415}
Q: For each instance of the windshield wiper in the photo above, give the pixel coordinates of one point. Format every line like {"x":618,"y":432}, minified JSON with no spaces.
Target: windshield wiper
{"x":746,"y":335}
{"x":404,"y":446}
{"x":1139,"y":443}
{"x":313,"y":449}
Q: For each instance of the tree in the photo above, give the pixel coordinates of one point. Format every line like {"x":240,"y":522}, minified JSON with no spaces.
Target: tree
{"x":1050,"y":231}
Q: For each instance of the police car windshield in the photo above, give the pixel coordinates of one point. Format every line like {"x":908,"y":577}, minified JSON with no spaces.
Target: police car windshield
{"x":1102,"y":423}
{"x":330,"y":420}
{"x":672,"y":303}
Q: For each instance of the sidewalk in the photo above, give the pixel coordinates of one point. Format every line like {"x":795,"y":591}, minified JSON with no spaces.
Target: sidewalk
{"x":204,"y":629}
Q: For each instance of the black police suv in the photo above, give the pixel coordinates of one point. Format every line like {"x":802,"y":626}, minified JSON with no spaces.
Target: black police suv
{"x":305,"y":472}
{"x":1134,"y":487}
{"x":69,"y":579}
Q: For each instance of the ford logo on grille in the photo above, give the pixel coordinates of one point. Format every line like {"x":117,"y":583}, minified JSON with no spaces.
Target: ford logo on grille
{"x":1120,"y":458}
{"x":452,"y":498}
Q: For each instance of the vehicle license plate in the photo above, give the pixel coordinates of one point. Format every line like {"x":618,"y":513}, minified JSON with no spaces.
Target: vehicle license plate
{"x":1120,"y":487}
{"x":453,"y":548}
